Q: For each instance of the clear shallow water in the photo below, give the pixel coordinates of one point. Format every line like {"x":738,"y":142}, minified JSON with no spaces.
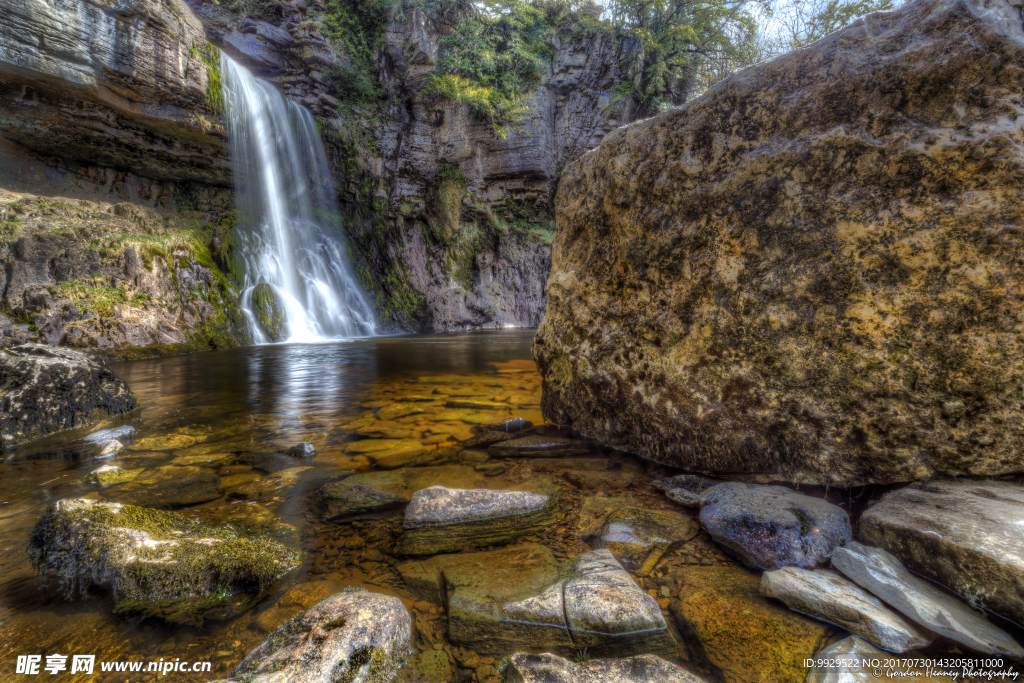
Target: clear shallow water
{"x":208,"y":406}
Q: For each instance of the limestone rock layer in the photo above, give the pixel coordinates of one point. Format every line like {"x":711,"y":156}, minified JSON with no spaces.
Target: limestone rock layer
{"x":812,"y":271}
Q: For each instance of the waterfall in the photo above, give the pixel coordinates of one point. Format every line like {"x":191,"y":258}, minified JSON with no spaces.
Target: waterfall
{"x":285,"y":198}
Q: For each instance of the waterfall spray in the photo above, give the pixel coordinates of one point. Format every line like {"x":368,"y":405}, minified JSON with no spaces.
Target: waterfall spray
{"x":298,"y":284}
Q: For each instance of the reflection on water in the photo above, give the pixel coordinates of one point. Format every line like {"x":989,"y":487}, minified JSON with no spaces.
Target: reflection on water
{"x":198,"y":413}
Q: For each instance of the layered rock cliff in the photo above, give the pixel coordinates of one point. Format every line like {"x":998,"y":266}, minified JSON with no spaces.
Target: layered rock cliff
{"x":813,"y":271}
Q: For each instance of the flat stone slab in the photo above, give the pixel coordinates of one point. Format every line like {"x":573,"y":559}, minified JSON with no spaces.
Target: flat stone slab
{"x":967,"y":535}
{"x":368,"y":491}
{"x":518,"y":598}
{"x":850,"y":650}
{"x":157,"y":563}
{"x":642,"y":537}
{"x":549,"y":668}
{"x":882,"y":574}
{"x":441,"y":519}
{"x":772,"y":526}
{"x":536,"y":446}
{"x":826,"y":595}
{"x":354,"y":636}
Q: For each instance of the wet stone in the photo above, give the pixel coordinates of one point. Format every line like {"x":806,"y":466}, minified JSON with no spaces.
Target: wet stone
{"x":266,"y":462}
{"x":168,"y":442}
{"x":110,"y":474}
{"x":122,"y":434}
{"x":395,"y":410}
{"x":268,"y":487}
{"x":354,"y":636}
{"x":826,"y":595}
{"x":595,"y":510}
{"x":537,"y":446}
{"x":772,"y":526}
{"x":157,"y":563}
{"x":302,"y":451}
{"x":642,"y":537}
{"x":967,"y":535}
{"x":374,"y":445}
{"x":878,"y":572}
{"x":110,"y":448}
{"x":737,"y":635}
{"x":685,"y":489}
{"x":441,"y":519}
{"x":548,"y":668}
{"x":405,"y":454}
{"x":569,"y":464}
{"x":489,"y":437}
{"x":474,"y":404}
{"x":600,"y":481}
{"x":172,"y":487}
{"x":510,"y":424}
{"x":368,"y":491}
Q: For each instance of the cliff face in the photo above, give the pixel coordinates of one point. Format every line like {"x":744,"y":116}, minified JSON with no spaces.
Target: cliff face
{"x":112,"y":84}
{"x":813,"y":271}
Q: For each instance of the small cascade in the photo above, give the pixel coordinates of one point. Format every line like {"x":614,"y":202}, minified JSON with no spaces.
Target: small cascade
{"x":299,"y":285}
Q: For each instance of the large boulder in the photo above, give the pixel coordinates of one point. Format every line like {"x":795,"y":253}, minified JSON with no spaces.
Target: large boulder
{"x":44,"y":390}
{"x":354,"y":636}
{"x":964,"y":534}
{"x":157,"y":563}
{"x":127,"y":84}
{"x":811,"y":271}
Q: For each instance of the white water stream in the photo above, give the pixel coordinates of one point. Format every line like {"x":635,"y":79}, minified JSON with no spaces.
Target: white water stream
{"x":288,"y":233}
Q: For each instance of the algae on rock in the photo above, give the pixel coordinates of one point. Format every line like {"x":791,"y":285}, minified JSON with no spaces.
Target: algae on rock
{"x":157,"y":563}
{"x":270,"y":315}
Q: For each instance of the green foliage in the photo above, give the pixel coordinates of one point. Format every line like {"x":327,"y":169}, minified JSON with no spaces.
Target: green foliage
{"x":357,"y":27}
{"x":210,"y":56}
{"x":811,"y":20}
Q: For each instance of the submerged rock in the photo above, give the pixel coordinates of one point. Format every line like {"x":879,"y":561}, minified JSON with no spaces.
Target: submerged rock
{"x":110,"y":448}
{"x":826,"y":595}
{"x":882,"y":574}
{"x":267,"y":462}
{"x":787,"y":272}
{"x":967,"y":535}
{"x":369,"y":491}
{"x":772,"y":526}
{"x":642,"y":537}
{"x":172,"y":487}
{"x":355,"y":636}
{"x":123,"y":433}
{"x":549,"y":668}
{"x":685,"y":489}
{"x":110,"y":474}
{"x":441,"y":519}
{"x":271,"y":486}
{"x":736,"y":634}
{"x":46,"y":389}
{"x":536,"y":446}
{"x":515,"y":598}
{"x":156,"y":563}
{"x":849,"y":652}
{"x":303,"y":451}
{"x":269,"y":312}
{"x":510,"y":424}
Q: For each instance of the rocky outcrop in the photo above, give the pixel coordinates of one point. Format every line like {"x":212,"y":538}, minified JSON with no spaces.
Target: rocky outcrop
{"x":157,"y":563}
{"x":828,"y":596}
{"x":882,"y":574}
{"x":123,"y":85}
{"x":811,"y":271}
{"x":46,"y":390}
{"x":966,"y":535}
{"x":355,"y":636}
{"x":772,"y":527}
{"x":548,"y":668}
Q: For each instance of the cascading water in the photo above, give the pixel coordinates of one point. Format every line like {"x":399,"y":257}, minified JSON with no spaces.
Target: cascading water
{"x":285,"y":195}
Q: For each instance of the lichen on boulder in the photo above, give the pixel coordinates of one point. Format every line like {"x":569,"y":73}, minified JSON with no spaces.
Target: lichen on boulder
{"x":45,"y":390}
{"x":156,"y":563}
{"x":812,"y":270}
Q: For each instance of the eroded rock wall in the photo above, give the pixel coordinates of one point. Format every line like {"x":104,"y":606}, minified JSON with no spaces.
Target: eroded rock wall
{"x":813,"y":271}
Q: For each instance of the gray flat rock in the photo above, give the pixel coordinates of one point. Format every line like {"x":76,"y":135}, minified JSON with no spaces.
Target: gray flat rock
{"x":549,"y":668}
{"x":967,"y":535}
{"x":536,"y":446}
{"x":826,"y":595}
{"x":772,"y":526}
{"x":685,"y":489}
{"x":439,"y":505}
{"x":882,"y":574}
{"x":122,"y":433}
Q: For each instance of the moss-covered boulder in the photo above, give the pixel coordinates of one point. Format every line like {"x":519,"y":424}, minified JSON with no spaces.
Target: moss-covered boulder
{"x":352,"y":637}
{"x":45,"y":389}
{"x":156,"y":563}
{"x":269,"y":312}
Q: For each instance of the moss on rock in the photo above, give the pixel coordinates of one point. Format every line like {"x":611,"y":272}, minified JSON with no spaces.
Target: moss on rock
{"x":157,"y":563}
{"x":270,"y":316}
